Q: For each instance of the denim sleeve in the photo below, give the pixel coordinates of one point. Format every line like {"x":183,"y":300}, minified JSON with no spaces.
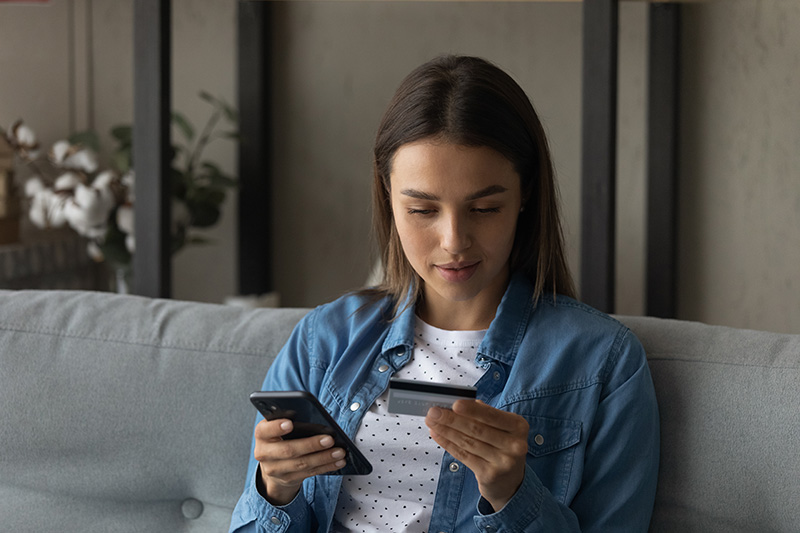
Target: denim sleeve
{"x":253,"y":513}
{"x":620,"y":469}
{"x":532,"y":508}
{"x":621,"y":463}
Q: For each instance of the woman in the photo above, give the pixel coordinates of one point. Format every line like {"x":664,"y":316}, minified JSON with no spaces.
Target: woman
{"x":564,"y":433}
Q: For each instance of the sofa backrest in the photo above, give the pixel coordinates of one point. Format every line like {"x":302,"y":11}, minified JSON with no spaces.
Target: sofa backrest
{"x":124,"y":414}
{"x":729,"y":401}
{"x":120,"y":413}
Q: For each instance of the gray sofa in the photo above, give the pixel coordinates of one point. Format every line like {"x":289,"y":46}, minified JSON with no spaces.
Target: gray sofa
{"x":127,"y":414}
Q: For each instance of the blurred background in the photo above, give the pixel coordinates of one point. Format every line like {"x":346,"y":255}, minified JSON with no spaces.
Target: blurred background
{"x":67,"y":66}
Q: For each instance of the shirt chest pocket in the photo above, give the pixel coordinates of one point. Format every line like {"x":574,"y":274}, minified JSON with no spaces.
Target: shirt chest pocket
{"x":552,"y":445}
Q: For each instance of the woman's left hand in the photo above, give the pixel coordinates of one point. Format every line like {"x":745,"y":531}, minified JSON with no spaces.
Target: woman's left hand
{"x":490,"y":442}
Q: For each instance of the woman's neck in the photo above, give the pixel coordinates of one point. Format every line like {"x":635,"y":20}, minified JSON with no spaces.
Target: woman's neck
{"x":474,"y":315}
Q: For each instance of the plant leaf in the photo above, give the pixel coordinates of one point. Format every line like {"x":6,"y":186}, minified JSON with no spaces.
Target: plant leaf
{"x":123,"y":159}
{"x":123,"y":134}
{"x":233,"y":135}
{"x":230,"y":112}
{"x":203,"y":214}
{"x":205,"y":95}
{"x":86,"y":138}
{"x":197,"y":239}
{"x":183,"y":125}
{"x":217,"y":179}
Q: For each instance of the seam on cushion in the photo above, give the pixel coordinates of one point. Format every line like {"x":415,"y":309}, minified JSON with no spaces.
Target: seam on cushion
{"x":672,"y":358}
{"x":119,"y":340}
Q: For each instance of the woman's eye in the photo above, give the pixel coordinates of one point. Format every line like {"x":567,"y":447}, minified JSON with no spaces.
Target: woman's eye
{"x":486,"y":210}
{"x":412,"y":211}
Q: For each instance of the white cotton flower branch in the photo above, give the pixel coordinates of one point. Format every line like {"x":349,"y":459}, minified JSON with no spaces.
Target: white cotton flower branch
{"x":23,"y":140}
{"x":73,"y":156}
{"x":70,"y":187}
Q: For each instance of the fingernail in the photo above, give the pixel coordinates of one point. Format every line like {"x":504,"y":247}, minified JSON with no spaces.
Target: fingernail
{"x":286,"y":426}
{"x":340,"y":464}
{"x":326,"y":441}
{"x":434,"y":413}
{"x":338,"y":454}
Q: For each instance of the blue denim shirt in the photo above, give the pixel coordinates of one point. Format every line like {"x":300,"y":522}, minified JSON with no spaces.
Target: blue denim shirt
{"x":577,"y":376}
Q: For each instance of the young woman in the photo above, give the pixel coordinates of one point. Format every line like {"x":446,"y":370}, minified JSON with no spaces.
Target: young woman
{"x":476,"y":291}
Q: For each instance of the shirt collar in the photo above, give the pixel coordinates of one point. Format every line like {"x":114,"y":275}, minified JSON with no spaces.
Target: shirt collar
{"x":508,"y":327}
{"x":401,"y":330}
{"x":505,"y":333}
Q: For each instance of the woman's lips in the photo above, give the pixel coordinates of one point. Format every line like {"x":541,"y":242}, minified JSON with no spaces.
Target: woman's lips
{"x":457,"y":272}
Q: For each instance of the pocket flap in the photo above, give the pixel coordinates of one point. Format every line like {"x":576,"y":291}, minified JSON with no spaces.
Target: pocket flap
{"x":548,"y":435}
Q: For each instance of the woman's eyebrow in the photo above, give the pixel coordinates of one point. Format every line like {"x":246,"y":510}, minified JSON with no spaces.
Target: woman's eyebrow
{"x":483,"y":193}
{"x":419,"y":195}
{"x":488,"y":191}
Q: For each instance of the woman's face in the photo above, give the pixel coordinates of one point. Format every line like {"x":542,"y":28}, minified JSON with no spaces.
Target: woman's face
{"x":455,"y":209}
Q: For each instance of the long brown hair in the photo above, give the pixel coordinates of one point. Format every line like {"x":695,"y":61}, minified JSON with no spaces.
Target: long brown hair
{"x":471,"y":102}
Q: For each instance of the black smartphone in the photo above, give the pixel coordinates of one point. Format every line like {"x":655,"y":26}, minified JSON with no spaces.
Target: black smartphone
{"x":310,"y":418}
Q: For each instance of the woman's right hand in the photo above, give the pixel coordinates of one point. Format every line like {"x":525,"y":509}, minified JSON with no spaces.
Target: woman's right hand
{"x":284,"y":464}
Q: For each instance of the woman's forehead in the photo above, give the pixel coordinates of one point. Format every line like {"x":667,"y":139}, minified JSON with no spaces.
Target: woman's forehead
{"x":434,"y":168}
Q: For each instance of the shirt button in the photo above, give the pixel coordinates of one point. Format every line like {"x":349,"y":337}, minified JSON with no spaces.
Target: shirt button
{"x":275,"y":520}
{"x":496,"y":375}
{"x":401,"y":352}
{"x":538,"y":439}
{"x":383,"y":368}
{"x":454,"y":467}
{"x":355,"y":406}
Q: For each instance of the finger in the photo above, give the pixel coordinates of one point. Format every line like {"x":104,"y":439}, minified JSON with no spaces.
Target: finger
{"x":462,"y":444}
{"x":464,"y":430}
{"x":491,"y":416}
{"x":476,"y":462}
{"x":276,"y":448}
{"x":298,"y":468}
{"x":273,"y":429}
{"x":476,"y":438}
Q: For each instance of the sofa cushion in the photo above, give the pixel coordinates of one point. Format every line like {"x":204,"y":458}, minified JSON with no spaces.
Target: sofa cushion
{"x":729,"y":401}
{"x":121,"y":413}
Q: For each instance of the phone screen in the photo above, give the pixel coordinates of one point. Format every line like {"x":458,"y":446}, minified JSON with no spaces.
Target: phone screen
{"x":310,"y":418}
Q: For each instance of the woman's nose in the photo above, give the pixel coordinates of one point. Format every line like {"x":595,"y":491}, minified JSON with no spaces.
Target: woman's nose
{"x":455,"y":235}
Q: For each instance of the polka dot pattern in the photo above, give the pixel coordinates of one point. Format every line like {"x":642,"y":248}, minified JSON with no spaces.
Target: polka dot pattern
{"x":399,"y":494}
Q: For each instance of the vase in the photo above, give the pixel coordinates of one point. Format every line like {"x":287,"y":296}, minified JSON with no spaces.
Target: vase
{"x":120,"y":279}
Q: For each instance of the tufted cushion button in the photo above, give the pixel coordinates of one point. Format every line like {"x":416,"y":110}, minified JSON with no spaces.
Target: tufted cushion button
{"x":192,"y":508}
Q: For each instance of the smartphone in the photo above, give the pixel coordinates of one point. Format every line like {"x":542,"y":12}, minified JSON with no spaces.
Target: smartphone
{"x":310,"y":418}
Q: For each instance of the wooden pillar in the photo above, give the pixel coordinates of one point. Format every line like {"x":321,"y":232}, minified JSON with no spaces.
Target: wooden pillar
{"x":255,"y":147}
{"x":151,"y":147}
{"x":662,"y":159}
{"x":598,"y":162}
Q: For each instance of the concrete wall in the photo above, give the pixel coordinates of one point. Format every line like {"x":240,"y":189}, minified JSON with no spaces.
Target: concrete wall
{"x":337,"y":65}
{"x":740,"y":165}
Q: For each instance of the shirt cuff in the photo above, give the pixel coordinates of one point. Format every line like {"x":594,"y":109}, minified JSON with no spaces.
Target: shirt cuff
{"x":277,"y":518}
{"x":522,"y":509}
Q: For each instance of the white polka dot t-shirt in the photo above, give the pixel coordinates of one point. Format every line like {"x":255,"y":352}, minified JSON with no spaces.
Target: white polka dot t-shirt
{"x":398,"y":495}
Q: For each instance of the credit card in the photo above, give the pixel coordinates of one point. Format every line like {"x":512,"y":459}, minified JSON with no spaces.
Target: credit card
{"x":408,"y":397}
